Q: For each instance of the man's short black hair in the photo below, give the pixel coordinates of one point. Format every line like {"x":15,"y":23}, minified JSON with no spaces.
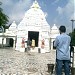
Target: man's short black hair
{"x":62,"y":28}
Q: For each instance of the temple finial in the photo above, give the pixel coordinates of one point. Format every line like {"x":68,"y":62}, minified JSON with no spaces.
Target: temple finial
{"x":35,"y":1}
{"x":35,"y":4}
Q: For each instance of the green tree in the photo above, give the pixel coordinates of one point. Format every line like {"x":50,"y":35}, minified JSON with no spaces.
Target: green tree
{"x":72,"y":37}
{"x":3,"y":17}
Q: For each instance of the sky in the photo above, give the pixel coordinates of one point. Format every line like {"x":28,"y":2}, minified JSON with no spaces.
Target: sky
{"x":59,"y":12}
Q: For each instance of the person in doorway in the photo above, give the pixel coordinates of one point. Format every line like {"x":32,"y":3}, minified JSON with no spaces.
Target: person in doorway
{"x":62,"y":43}
{"x":28,"y":44}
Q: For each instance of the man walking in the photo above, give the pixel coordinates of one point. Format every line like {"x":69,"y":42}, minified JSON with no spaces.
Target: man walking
{"x":28,"y":44}
{"x":62,"y":43}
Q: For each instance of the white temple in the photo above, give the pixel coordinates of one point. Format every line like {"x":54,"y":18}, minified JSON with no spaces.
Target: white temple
{"x":33,"y":26}
{"x":9,"y":37}
{"x":12,"y":30}
{"x":53,"y":34}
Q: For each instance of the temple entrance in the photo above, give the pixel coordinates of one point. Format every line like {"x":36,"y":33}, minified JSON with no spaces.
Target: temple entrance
{"x":11,"y":41}
{"x":34,"y":35}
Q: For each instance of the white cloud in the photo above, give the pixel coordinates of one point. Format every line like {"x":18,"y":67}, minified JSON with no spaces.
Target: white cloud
{"x":73,"y":16}
{"x":7,"y":2}
{"x":65,"y":14}
{"x":67,"y":10}
{"x":18,"y":10}
{"x":15,"y":10}
{"x":59,"y":9}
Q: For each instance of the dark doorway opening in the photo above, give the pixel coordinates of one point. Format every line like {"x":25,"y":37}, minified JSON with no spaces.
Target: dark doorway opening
{"x":34,"y":35}
{"x":11,"y":41}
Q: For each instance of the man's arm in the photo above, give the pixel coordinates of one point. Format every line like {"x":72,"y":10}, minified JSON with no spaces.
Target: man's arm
{"x":55,"y":43}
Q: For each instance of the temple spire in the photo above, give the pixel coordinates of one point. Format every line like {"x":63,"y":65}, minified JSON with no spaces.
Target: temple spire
{"x":35,"y":0}
{"x":35,"y":5}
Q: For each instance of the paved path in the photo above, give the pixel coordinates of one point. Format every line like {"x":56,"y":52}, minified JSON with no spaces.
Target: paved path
{"x":17,"y":63}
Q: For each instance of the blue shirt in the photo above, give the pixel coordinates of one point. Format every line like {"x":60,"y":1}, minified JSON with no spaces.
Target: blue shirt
{"x":62,"y":43}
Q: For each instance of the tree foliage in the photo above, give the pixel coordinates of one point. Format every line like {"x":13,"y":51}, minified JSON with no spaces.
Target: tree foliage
{"x":3,"y":17}
{"x":72,"y":37}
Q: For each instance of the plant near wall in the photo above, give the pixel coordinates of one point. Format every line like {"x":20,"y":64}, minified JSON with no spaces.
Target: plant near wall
{"x":72,"y":35}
